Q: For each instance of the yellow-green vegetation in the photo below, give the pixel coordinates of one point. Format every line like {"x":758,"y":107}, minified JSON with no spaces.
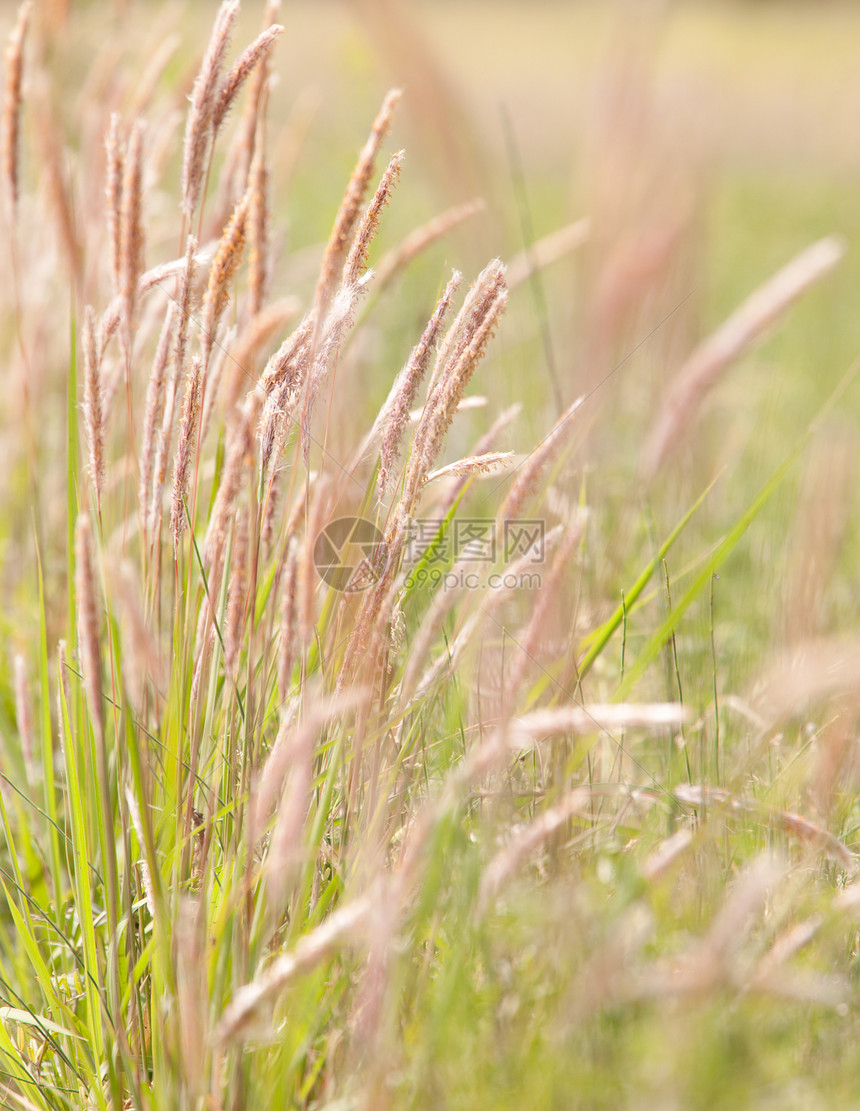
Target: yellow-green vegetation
{"x":428,"y":671}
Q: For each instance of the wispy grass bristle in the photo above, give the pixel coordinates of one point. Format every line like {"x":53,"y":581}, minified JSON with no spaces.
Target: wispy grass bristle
{"x":551,"y":249}
{"x":289,"y":620}
{"x":237,"y":591}
{"x":246,"y":352}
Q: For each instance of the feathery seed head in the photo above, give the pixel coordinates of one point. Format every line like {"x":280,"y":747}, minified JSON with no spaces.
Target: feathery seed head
{"x":131,"y":232}
{"x":12,"y":106}
{"x":224,"y":266}
{"x":395,"y":416}
{"x":185,"y":449}
{"x":199,"y":129}
{"x":93,"y":408}
{"x":115,"y":159}
{"x":347,"y":215}
{"x":356,"y":263}
{"x":242,"y":69}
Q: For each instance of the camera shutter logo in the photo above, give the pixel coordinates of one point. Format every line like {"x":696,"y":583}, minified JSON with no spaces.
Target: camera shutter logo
{"x":349,"y":554}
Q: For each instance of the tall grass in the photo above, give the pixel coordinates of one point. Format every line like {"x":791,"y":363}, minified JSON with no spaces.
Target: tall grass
{"x":427,"y":828}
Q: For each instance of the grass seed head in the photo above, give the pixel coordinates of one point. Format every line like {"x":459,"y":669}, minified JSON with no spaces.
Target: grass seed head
{"x":93,"y":405}
{"x":347,"y":215}
{"x":131,"y":234}
{"x":242,"y":69}
{"x":12,"y":98}
{"x":200,"y":125}
{"x":395,"y":415}
{"x":188,"y":436}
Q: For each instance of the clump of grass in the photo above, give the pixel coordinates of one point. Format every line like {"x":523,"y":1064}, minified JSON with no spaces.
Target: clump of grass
{"x":272,"y":842}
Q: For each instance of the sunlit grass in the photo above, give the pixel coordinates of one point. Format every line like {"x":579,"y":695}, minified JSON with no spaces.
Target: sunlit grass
{"x":580,"y":840}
